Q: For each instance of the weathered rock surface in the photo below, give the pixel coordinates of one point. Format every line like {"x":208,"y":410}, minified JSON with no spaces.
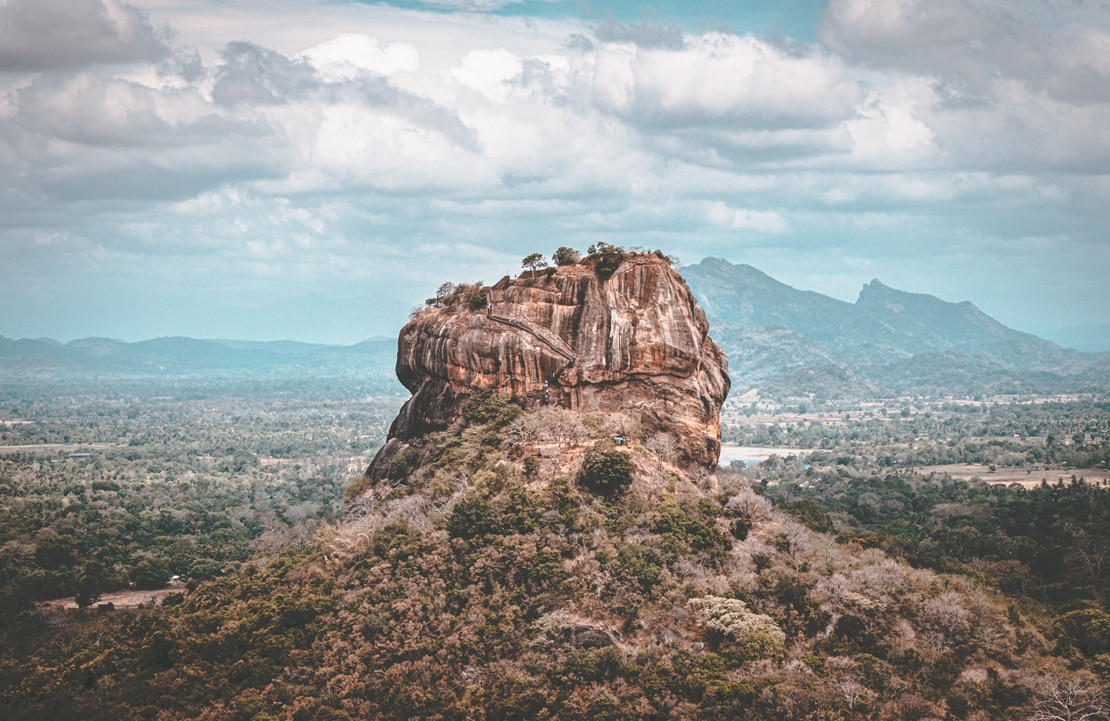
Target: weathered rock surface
{"x":634,"y":344}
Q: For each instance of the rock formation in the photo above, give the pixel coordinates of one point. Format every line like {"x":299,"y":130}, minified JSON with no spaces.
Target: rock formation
{"x":634,"y":344}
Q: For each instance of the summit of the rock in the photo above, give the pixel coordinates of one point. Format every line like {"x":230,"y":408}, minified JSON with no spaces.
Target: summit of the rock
{"x":633,"y":345}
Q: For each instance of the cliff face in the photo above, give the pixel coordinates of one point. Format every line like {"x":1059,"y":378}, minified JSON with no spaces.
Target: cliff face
{"x":634,"y":345}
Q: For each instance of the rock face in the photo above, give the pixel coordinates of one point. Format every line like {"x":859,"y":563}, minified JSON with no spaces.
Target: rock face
{"x":634,"y":344}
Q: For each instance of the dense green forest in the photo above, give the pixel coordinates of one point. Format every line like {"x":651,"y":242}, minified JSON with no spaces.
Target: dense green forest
{"x":113,"y":490}
{"x":937,"y":432}
{"x":482,"y":581}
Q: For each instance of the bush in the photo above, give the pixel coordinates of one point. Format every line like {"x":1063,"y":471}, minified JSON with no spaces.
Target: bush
{"x":606,"y":258}
{"x":473,"y":517}
{"x":479,"y":299}
{"x":357,"y":487}
{"x":403,"y":463}
{"x":641,"y":563}
{"x":472,"y":295}
{"x":566,"y":256}
{"x":606,"y":474}
{"x":490,"y":408}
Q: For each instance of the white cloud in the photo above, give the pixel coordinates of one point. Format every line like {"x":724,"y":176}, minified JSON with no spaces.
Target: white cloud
{"x":53,"y":34}
{"x":761,"y":221}
{"x":348,"y":55}
{"x":350,"y":148}
{"x":889,"y":132}
{"x":717,"y":78}
{"x":489,"y":72}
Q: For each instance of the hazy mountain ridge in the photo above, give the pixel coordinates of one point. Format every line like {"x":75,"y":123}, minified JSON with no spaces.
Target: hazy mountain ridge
{"x":174,"y":356}
{"x":889,"y":341}
{"x":780,"y":339}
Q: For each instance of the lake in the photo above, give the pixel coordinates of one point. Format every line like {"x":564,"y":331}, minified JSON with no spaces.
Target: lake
{"x":752,"y":455}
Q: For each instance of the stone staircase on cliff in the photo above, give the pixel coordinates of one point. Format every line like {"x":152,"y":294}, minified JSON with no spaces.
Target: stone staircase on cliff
{"x":548,"y":337}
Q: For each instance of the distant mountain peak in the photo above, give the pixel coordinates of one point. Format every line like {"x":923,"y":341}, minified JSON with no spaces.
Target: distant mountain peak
{"x":884,"y":326}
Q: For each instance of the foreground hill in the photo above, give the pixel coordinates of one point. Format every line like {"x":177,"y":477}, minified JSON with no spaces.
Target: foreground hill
{"x":888,"y":341}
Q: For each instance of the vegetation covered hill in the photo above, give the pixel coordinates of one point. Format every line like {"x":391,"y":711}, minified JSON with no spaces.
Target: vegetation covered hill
{"x":494,"y":576}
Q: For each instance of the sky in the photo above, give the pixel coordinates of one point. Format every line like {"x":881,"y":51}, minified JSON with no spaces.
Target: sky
{"x":271,"y":169}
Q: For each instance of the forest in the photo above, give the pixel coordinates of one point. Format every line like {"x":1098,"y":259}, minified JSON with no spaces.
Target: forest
{"x":849,"y":582}
{"x":126,"y":487}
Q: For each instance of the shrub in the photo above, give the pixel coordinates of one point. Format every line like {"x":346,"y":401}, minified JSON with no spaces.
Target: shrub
{"x":357,"y":487}
{"x":1087,"y":630}
{"x":479,"y":299}
{"x":403,"y":463}
{"x":606,"y":258}
{"x":566,"y":256}
{"x":490,"y":408}
{"x":473,"y":517}
{"x":641,"y":563}
{"x":472,"y":295}
{"x":810,"y":515}
{"x":729,"y":618}
{"x":606,"y":474}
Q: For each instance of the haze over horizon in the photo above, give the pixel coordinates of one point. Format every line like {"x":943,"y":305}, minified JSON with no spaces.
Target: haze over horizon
{"x":309,"y":171}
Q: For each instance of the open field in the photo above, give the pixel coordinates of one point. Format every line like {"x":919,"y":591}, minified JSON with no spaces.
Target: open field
{"x":1025,"y":475}
{"x":755,"y":454}
{"x":123,"y":599}
{"x":56,"y":447}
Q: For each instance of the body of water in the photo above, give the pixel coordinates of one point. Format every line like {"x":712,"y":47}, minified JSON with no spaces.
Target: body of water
{"x":751,"y":455}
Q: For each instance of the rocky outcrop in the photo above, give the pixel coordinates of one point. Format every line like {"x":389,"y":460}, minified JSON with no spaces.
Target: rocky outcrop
{"x":634,"y":344}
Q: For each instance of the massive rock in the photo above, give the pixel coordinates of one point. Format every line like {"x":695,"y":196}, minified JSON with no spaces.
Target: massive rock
{"x":634,"y":345}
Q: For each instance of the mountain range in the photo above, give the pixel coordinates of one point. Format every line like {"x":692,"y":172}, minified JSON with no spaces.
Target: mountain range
{"x":786,"y":341}
{"x":177,"y":358}
{"x":781,"y":340}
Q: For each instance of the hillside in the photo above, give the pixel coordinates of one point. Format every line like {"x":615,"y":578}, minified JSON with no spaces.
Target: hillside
{"x":894,"y":342}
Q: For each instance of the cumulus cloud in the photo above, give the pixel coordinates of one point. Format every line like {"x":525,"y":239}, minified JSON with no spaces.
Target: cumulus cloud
{"x":347,"y":56}
{"x":996,"y":86}
{"x":721,"y":79}
{"x":762,"y":221}
{"x":253,"y":75}
{"x":40,"y":35}
{"x":356,"y":153}
{"x":971,"y":44}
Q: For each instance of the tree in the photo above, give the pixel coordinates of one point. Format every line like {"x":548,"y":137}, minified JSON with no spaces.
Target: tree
{"x":606,"y":474}
{"x":443,"y":293}
{"x":533,"y":262}
{"x":607,"y":258}
{"x":91,"y":582}
{"x":1072,"y":698}
{"x":565,"y":256}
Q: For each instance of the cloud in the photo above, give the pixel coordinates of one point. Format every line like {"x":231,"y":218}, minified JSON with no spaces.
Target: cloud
{"x":381,"y":142}
{"x":972,"y":44}
{"x":663,"y":36}
{"x":760,"y":221}
{"x":38,"y":35}
{"x":1005,"y":87}
{"x":470,"y":5}
{"x":253,"y":75}
{"x":347,"y":56}
{"x":718,"y":79}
